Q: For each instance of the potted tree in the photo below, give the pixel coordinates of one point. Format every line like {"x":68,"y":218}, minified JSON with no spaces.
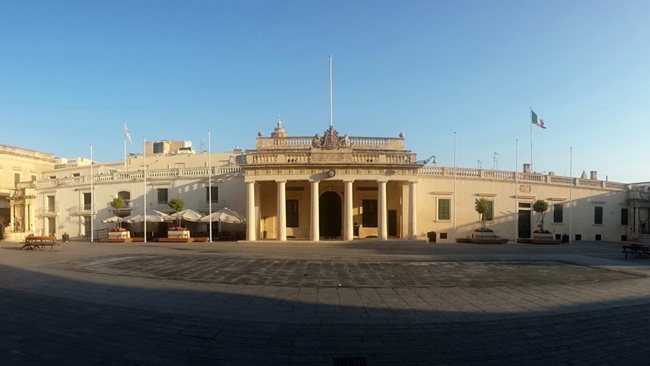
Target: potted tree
{"x":540,"y":207}
{"x":177,"y":231}
{"x":118,"y":232}
{"x":482,"y":206}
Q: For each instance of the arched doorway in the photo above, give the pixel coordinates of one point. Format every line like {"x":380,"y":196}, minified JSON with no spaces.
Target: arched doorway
{"x":329,"y":215}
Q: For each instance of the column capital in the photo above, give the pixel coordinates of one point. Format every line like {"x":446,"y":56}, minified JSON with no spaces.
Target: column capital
{"x":281,"y":181}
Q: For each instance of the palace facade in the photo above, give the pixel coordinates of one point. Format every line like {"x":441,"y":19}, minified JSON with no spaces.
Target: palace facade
{"x":326,"y":186}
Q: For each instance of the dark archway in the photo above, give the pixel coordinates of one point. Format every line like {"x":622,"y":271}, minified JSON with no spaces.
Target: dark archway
{"x":329,"y":214}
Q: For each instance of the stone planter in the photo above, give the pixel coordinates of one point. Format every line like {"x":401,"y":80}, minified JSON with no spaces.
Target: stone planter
{"x":184,"y":234}
{"x":484,"y":235}
{"x":119,"y":234}
{"x":543,"y":236}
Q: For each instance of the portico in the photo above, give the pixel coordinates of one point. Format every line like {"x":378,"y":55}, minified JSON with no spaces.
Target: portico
{"x":330,"y":187}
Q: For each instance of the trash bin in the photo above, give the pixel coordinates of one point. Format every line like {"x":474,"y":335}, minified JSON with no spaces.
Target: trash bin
{"x":432,"y":236}
{"x":66,"y":237}
{"x":565,"y":238}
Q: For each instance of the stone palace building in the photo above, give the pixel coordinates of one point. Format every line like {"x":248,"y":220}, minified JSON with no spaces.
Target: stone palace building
{"x":321,"y":187}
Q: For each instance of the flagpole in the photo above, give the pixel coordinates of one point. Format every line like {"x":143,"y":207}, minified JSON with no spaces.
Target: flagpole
{"x":125,"y":168}
{"x":531,"y":140}
{"x":92,"y":197}
{"x":330,"y":91}
{"x":144,"y":180}
{"x":516,"y":189}
{"x":455,"y":168}
{"x":209,"y":185}
{"x":570,"y":192}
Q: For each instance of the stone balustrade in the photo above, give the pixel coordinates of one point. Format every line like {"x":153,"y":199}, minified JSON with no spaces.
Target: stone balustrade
{"x":521,"y":177}
{"x":383,"y":143}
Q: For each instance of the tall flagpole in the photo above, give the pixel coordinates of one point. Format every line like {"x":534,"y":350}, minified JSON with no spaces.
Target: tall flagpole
{"x":125,"y":131}
{"x":516,"y":189}
{"x":570,"y":192}
{"x":144,"y":181}
{"x":455,"y":169}
{"x":209,"y":185}
{"x":92,"y":198}
{"x":531,"y":139}
{"x":330,"y":91}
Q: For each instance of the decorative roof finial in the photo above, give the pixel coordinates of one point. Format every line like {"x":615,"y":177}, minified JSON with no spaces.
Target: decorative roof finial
{"x":279,"y":121}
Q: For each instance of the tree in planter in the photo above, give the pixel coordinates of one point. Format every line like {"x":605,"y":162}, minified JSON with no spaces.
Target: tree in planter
{"x":118,"y":204}
{"x":177,"y":205}
{"x":482,"y":206}
{"x":540,"y":206}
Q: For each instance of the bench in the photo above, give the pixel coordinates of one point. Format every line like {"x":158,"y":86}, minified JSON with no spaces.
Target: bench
{"x":39,"y":242}
{"x":638,"y":250}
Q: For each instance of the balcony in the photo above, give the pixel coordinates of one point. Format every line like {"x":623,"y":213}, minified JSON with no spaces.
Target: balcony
{"x":80,"y":210}
{"x":124,"y":211}
{"x":50,"y":211}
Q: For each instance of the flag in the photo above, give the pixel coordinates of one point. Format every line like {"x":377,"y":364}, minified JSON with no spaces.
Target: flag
{"x":536,"y":120}
{"x":127,"y":135}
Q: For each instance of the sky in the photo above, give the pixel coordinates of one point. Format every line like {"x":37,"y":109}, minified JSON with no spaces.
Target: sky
{"x":458,"y":78}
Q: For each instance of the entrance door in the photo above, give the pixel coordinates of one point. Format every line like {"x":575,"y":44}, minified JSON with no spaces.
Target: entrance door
{"x":524,"y":223}
{"x":330,"y":215}
{"x":392,"y":223}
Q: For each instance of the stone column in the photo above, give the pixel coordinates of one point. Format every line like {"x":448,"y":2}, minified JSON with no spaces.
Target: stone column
{"x":282,"y":210}
{"x":251,"y":220}
{"x":382,"y":211}
{"x":348,"y":233}
{"x":315,"y":213}
{"x":413,"y":224}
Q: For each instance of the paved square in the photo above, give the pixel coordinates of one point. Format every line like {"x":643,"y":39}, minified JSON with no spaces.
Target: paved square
{"x":325,"y":303}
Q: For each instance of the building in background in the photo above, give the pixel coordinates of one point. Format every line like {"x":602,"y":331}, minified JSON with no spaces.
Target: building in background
{"x":328,"y":186}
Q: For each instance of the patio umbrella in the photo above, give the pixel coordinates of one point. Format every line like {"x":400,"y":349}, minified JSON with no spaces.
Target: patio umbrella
{"x":151,"y":216}
{"x":187,"y":214}
{"x":224,"y":215}
{"x":113,"y":219}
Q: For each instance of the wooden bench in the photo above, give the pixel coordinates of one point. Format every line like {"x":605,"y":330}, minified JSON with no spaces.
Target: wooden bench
{"x":638,"y":250}
{"x":39,"y":242}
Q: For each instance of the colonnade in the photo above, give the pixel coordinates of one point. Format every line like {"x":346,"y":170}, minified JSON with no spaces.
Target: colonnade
{"x":348,"y":208}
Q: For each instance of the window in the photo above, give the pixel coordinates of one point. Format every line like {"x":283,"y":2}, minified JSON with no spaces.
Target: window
{"x":163,"y":195}
{"x":292,"y":213}
{"x":598,"y":215}
{"x":557,"y":212}
{"x":444,"y":212}
{"x":158,"y":147}
{"x":76,"y":174}
{"x":369,"y":213}
{"x":126,"y":196}
{"x":33,"y":178}
{"x":51,"y":207}
{"x":16,"y":177}
{"x":624,"y":216}
{"x":489,"y":215}
{"x":215,"y":194}
{"x":87,"y":201}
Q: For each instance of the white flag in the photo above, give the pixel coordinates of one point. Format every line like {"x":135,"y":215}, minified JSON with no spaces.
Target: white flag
{"x":127,"y":135}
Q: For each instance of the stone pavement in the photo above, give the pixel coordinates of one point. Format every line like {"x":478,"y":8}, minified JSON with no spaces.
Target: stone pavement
{"x":326,"y":303}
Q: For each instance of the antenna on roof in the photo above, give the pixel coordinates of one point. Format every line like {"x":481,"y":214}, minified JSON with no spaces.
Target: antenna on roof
{"x":330,"y":91}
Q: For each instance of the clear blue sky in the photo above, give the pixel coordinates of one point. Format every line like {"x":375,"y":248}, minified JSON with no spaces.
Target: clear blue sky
{"x":71,"y":72}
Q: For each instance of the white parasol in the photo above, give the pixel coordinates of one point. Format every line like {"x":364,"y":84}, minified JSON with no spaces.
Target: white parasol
{"x":187,"y":214}
{"x":151,"y":216}
{"x":224,"y":215}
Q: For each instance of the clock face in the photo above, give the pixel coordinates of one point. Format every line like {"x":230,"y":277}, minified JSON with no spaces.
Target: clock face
{"x":331,"y":173}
